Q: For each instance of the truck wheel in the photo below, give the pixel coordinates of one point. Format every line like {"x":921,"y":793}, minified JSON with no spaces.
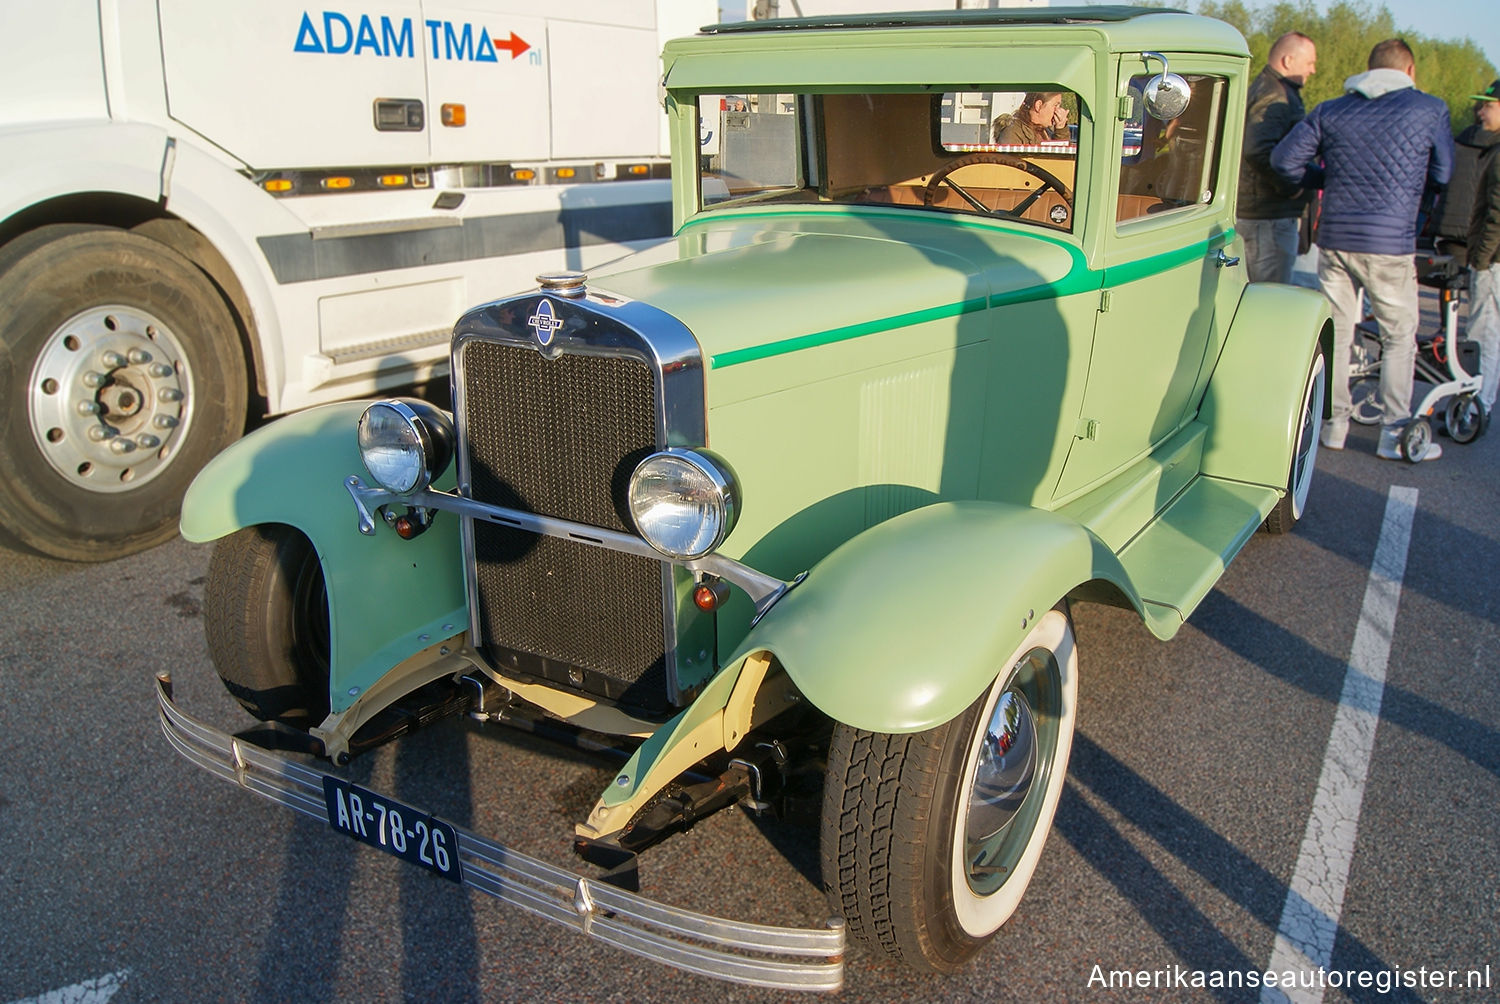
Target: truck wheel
{"x":265,"y":613}
{"x":1289,"y":508}
{"x":121,"y":375}
{"x":930,"y":839}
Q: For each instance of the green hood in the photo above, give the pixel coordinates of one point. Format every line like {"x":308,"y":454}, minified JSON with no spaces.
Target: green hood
{"x":750,"y":284}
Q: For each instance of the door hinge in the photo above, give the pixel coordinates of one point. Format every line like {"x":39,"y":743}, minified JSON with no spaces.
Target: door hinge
{"x":1126,"y":109}
{"x":1088,"y":428}
{"x":1104,"y":300}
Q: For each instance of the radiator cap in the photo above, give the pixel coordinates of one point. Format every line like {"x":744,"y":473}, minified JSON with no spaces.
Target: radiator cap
{"x":567,"y":284}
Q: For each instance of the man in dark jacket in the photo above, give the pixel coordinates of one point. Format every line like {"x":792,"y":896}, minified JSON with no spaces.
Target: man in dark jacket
{"x":1382,"y":145}
{"x":1484,"y":243}
{"x":1269,"y":206}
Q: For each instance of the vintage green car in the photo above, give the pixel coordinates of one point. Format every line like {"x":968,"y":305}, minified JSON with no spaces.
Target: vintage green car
{"x":817,"y":480}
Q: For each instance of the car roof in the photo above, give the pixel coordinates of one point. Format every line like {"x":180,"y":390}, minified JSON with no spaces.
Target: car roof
{"x":920,"y":18}
{"x":953,"y":49}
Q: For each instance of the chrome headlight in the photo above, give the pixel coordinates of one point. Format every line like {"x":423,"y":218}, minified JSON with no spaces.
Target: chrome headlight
{"x":405,"y":443}
{"x":684,"y":502}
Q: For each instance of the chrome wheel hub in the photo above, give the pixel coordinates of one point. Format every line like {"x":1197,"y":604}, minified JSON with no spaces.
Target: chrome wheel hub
{"x":108,"y":398}
{"x":1003,"y":777}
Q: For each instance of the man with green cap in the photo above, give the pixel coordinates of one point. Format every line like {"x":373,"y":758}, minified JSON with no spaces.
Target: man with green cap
{"x":1484,"y":243}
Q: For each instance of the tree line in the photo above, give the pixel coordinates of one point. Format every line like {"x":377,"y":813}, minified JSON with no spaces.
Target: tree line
{"x":1451,"y":69}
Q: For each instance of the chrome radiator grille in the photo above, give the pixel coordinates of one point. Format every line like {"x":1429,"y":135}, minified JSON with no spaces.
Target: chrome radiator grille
{"x":559,"y":437}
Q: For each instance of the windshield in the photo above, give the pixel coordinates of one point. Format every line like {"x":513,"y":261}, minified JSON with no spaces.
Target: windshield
{"x":1008,"y":154}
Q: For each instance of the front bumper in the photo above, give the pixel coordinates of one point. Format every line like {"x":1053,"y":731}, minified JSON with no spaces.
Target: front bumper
{"x":759,"y":955}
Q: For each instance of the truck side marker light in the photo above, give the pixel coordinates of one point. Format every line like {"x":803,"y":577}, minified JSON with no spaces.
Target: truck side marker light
{"x":454,"y":115}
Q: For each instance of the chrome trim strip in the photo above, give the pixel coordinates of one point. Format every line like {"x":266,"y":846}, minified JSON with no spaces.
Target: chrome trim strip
{"x":763,"y":590}
{"x":783,"y":958}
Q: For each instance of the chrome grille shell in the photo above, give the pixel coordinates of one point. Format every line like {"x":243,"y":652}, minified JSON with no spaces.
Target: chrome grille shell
{"x":556,"y":429}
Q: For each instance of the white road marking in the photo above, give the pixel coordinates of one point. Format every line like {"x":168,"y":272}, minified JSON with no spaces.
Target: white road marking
{"x":95,"y":991}
{"x":1310,"y":918}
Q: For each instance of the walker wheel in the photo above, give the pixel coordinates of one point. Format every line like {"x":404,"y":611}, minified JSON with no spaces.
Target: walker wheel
{"x":1465,"y":418}
{"x":1364,"y":394}
{"x":1416,"y":440}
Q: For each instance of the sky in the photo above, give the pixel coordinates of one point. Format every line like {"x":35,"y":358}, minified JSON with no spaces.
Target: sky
{"x":1478,"y":20}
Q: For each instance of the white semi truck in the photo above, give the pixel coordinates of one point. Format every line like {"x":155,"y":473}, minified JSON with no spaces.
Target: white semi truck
{"x":213,"y":212}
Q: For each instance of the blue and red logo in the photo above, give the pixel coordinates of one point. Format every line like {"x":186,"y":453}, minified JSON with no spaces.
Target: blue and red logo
{"x":339,"y":34}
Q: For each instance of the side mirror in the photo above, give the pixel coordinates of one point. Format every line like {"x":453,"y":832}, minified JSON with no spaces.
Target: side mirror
{"x":1166,"y":95}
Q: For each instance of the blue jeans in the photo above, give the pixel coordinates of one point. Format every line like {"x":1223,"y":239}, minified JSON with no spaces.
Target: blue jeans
{"x":1270,"y":248}
{"x":1484,"y":328}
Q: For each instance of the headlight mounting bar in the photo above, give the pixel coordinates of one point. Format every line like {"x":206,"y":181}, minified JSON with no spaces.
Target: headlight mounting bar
{"x":763,"y":590}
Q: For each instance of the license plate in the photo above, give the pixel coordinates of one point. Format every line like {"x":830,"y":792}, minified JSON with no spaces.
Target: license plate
{"x":392,"y":826}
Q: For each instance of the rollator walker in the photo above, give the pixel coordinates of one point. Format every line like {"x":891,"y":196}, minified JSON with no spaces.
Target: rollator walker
{"x":1444,"y":359}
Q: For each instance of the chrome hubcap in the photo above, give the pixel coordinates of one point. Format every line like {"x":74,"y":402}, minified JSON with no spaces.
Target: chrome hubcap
{"x":1004,"y":775}
{"x":108,"y":398}
{"x":1307,"y":443}
{"x":1010,"y":772}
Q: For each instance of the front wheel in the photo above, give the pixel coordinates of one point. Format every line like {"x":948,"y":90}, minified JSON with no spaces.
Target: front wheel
{"x":121,"y":375}
{"x":930,"y":839}
{"x":265,"y":615}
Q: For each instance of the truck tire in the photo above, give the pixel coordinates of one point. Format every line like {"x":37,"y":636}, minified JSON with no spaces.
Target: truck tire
{"x":121,"y":375}
{"x":929,"y":839}
{"x":265,"y":615}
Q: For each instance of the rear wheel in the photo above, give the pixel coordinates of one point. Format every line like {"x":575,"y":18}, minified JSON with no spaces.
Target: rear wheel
{"x":121,"y":375}
{"x":266,"y":620}
{"x":1465,"y":418}
{"x":1289,"y":508}
{"x":930,"y":839}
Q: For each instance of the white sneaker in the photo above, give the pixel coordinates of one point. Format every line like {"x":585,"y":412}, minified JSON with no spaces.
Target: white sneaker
{"x":1333,"y":433}
{"x":1390,"y":447}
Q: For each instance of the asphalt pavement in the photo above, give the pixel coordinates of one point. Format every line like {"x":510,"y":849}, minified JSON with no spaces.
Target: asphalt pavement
{"x":128,"y":875}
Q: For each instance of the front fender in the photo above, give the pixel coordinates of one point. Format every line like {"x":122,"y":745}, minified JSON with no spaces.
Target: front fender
{"x":1253,"y":404}
{"x":388,"y":598}
{"x":901,"y":628}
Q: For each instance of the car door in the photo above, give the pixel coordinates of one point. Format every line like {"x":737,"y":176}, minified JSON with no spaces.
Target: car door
{"x":1167,"y":287}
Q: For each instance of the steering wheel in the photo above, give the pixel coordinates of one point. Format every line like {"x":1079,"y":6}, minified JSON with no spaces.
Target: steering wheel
{"x":1047,"y":178}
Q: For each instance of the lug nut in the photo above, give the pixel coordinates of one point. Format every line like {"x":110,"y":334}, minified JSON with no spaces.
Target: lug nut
{"x":121,"y":446}
{"x":169,"y":394}
{"x":146,"y":441}
{"x":98,"y":433}
{"x":161,"y":370}
{"x":138,"y":357}
{"x":164,"y":422}
{"x":112,"y":360}
{"x":92,"y":379}
{"x":88,"y":407}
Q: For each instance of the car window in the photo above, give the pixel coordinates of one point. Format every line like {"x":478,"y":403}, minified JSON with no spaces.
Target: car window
{"x":1001,"y":153}
{"x":1172,"y":165}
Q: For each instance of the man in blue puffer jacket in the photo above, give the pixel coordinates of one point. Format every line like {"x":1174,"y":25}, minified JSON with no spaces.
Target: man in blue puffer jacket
{"x":1381,"y":145}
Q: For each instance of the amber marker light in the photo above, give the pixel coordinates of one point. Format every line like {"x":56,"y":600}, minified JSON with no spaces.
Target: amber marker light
{"x":638,"y":170}
{"x":277,"y":186}
{"x":523,"y":174}
{"x":566,"y":172}
{"x":454,"y":115}
{"x":392,"y":181}
{"x":338,"y":181}
{"x":711,"y":596}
